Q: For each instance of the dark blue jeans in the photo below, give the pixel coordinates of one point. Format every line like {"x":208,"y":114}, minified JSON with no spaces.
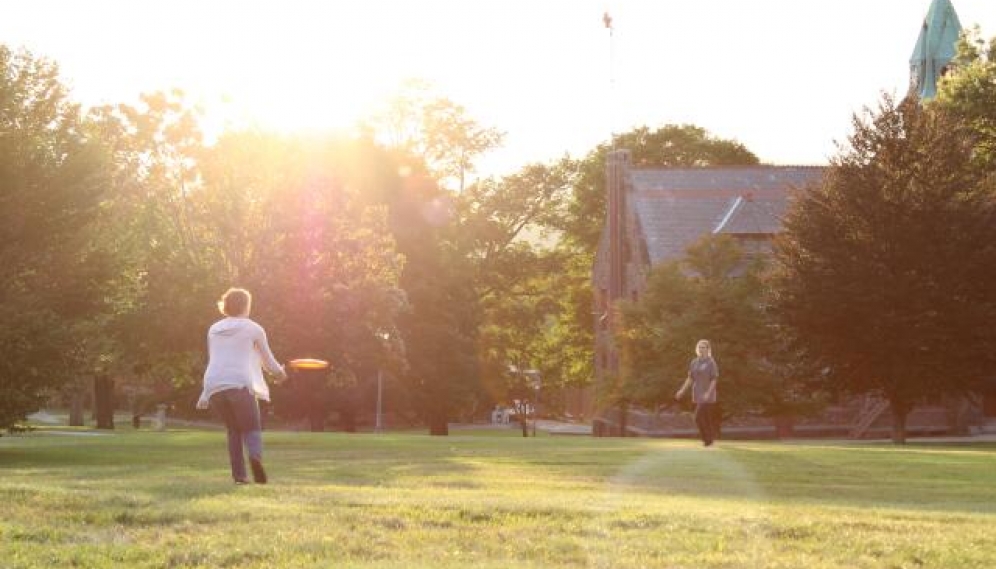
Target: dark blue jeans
{"x":240,"y":412}
{"x":705,"y":420}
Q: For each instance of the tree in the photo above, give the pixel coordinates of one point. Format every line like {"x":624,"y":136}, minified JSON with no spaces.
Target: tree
{"x":968,"y":91}
{"x":716,"y":292}
{"x":503,"y":232}
{"x":51,"y":274}
{"x":440,"y":327}
{"x":565,"y":354}
{"x":298,"y":221}
{"x":884,"y":270}
{"x":168,"y":268}
{"x":435,"y":144}
{"x":437,"y":130}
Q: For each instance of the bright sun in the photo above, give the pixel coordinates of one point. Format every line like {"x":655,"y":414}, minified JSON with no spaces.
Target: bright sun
{"x":295,"y":106}
{"x":291,"y":66}
{"x":302,"y":79}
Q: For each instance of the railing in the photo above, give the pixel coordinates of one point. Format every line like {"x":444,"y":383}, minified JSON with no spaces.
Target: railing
{"x":871,"y":410}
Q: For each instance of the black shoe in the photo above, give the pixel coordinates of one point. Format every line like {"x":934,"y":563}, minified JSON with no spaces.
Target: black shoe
{"x":258,"y":474}
{"x":707,"y":443}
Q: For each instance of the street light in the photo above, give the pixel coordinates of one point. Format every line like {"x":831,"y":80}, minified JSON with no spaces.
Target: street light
{"x":379,"y":424}
{"x":380,"y":394}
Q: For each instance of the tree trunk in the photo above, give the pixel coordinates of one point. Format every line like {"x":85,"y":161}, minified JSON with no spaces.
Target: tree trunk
{"x":76,"y":408}
{"x":439,"y":425}
{"x":957,"y":411}
{"x":347,"y":420}
{"x":623,"y":416}
{"x":783,"y":425}
{"x":103,"y":401}
{"x":899,"y":413}
{"x":524,"y":424}
{"x":316,"y":419}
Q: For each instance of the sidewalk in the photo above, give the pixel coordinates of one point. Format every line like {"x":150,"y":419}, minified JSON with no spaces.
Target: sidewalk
{"x":563,"y":428}
{"x":545,"y":425}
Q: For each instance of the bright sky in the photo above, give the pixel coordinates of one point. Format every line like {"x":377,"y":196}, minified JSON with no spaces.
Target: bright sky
{"x":781,"y":76}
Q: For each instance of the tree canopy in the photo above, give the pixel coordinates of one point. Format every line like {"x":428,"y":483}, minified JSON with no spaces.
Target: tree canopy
{"x":969,"y":90}
{"x":884,"y":270}
{"x":716,"y":292}
{"x":52,"y":178}
{"x":376,"y":249}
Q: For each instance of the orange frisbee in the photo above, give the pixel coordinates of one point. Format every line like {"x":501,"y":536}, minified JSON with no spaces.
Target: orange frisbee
{"x":308,"y":364}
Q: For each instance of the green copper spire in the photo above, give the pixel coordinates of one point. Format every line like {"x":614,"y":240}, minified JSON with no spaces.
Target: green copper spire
{"x":935,"y":48}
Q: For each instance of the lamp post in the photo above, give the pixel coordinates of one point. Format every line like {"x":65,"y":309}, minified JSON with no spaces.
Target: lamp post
{"x":380,"y":394}
{"x":379,"y":420}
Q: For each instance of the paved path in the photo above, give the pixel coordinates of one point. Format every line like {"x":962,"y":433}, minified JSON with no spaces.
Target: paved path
{"x":45,"y":417}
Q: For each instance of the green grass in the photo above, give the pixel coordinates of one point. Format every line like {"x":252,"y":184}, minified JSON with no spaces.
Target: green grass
{"x":475,"y":500}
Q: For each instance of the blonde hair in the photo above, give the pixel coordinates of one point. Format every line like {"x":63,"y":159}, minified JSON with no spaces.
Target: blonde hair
{"x":235,"y":302}
{"x":705,"y":343}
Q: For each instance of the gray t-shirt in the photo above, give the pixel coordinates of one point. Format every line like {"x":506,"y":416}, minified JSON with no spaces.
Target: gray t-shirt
{"x":703,"y":371}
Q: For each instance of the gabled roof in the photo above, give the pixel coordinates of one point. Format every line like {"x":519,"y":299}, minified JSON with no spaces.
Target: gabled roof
{"x":752,"y":216}
{"x":676,"y":206}
{"x":755,"y":179}
{"x":935,"y":47}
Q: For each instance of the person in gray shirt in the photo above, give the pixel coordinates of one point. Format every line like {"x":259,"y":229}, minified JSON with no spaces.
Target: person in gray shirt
{"x":702,"y":375}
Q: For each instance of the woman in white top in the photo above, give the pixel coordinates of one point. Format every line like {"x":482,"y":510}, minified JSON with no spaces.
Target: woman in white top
{"x":233,"y":381}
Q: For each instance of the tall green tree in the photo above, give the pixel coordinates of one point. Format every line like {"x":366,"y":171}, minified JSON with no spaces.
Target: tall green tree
{"x":565,"y":351}
{"x":503,"y":231}
{"x":298,"y":221}
{"x":437,"y":130}
{"x":969,"y":90}
{"x":52,"y":177}
{"x":440,"y":327}
{"x":716,"y":292}
{"x":169,"y":271}
{"x":884,"y":271}
{"x":437,"y":145}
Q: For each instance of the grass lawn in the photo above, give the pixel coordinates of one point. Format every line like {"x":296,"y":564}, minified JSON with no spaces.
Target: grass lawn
{"x":488,"y":500}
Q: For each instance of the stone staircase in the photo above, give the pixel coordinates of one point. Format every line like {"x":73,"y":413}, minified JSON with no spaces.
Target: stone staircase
{"x":871,"y":410}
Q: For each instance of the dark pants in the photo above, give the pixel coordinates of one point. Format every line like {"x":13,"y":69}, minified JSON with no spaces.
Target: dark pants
{"x":240,"y":412}
{"x":705,"y":420}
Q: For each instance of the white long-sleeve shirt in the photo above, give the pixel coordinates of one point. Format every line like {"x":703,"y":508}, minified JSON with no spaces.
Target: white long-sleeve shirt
{"x":237,"y":351}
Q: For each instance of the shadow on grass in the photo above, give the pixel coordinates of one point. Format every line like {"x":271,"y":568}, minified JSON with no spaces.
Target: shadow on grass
{"x":193,"y":464}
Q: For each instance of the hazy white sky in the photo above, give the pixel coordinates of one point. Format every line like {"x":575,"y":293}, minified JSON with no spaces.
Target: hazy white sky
{"x":781,"y":76}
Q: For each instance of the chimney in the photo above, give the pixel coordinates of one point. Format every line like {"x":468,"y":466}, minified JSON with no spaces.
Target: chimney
{"x":616,"y":167}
